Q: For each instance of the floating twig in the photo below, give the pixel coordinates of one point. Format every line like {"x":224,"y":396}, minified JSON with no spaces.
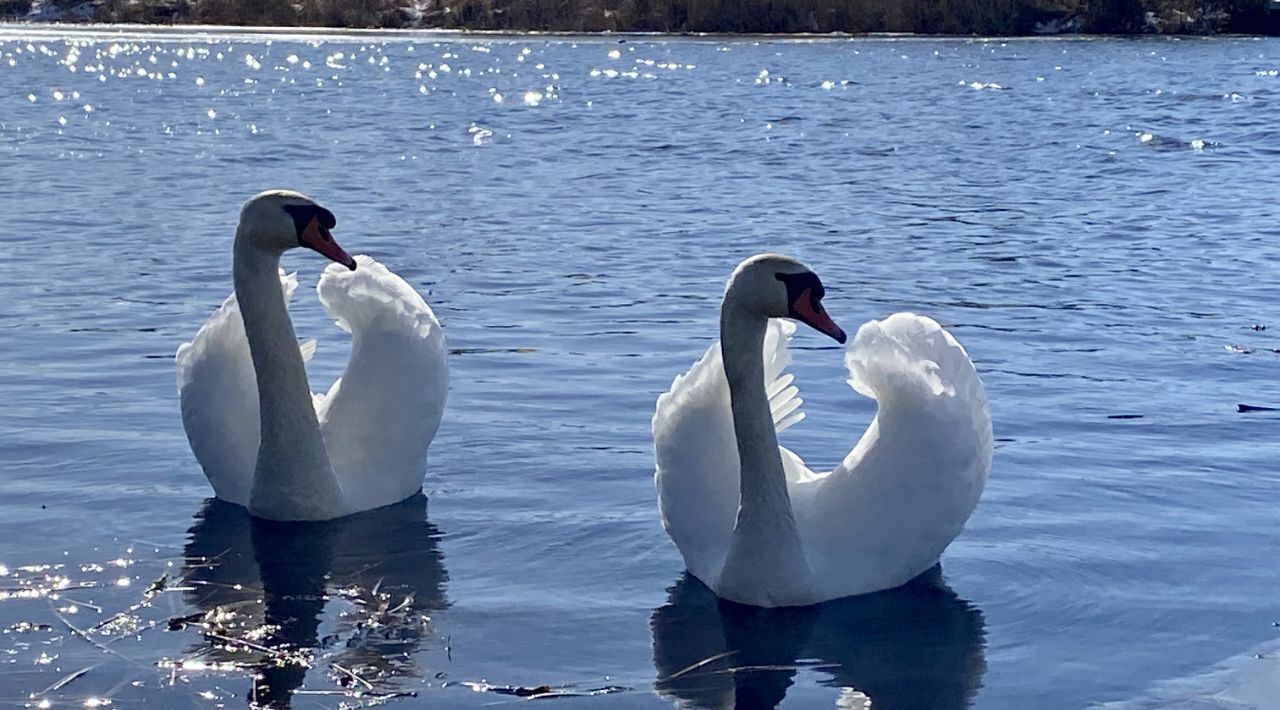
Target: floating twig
{"x":272,"y":652}
{"x":544,"y":691}
{"x":77,"y":631}
{"x":696,"y":666}
{"x":161,"y":583}
{"x":67,"y":680}
{"x":352,"y":674}
{"x":108,"y":620}
{"x":1246,"y":408}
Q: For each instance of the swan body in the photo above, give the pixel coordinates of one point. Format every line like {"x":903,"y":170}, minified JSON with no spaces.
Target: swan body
{"x":759,"y":527}
{"x":264,"y":440}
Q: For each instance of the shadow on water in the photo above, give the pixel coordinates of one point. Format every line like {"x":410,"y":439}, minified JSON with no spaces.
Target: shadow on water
{"x":918,"y":646}
{"x":262,"y":589}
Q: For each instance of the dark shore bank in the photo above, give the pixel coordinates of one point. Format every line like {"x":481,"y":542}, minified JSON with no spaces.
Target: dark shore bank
{"x":944,"y":17}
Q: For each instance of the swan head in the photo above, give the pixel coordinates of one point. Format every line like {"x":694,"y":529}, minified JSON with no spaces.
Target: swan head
{"x":775,"y":286}
{"x":278,"y":220}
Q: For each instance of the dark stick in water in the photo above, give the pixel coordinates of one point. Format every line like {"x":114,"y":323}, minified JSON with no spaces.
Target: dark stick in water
{"x":1245,"y":408}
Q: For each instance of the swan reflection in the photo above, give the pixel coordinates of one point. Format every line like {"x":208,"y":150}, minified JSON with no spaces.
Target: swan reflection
{"x":918,"y":646}
{"x":263,"y":587}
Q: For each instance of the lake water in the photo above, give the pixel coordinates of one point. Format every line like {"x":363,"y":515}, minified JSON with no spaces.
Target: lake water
{"x":1095,"y":220}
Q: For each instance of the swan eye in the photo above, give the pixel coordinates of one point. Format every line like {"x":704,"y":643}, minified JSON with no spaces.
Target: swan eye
{"x":303,"y":215}
{"x":798,"y":284}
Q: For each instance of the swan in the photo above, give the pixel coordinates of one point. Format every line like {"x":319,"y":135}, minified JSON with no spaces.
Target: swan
{"x":751,"y":521}
{"x":264,"y":440}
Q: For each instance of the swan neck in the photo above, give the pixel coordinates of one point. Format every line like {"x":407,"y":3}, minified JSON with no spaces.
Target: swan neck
{"x":293,"y":479}
{"x":763,"y":485}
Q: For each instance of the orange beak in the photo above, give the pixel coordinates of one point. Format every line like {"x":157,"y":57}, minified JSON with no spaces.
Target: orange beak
{"x":316,"y":236}
{"x":809,"y":311}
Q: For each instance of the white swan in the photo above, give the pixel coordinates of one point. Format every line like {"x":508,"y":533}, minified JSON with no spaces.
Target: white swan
{"x":264,"y":440}
{"x":756,"y":525}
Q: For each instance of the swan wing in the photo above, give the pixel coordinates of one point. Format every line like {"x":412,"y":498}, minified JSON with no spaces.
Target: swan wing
{"x":219,"y":398}
{"x":889,"y":509}
{"x":381,"y":415}
{"x":696,"y":452}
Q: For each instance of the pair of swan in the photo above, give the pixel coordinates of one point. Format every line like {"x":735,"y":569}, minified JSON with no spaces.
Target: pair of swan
{"x":751,"y":520}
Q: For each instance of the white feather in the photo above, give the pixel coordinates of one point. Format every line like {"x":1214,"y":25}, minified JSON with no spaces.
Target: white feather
{"x":220,"y":398}
{"x":377,"y":420}
{"x":881,"y":517}
{"x":381,"y":415}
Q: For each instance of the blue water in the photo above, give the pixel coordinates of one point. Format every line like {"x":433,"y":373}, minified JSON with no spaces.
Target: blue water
{"x":1094,"y":220}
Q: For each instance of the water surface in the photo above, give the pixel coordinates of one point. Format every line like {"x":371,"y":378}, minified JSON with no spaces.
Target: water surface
{"x":1094,"y":220}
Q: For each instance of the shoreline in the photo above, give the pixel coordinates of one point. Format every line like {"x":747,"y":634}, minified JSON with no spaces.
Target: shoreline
{"x":798,"y":19}
{"x":29,"y":28}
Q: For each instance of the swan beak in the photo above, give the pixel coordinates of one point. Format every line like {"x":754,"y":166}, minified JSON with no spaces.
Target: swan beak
{"x":808,"y":310}
{"x":317,"y":236}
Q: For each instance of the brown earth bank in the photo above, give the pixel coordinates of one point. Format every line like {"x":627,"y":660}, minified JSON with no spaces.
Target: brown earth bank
{"x":944,"y":17}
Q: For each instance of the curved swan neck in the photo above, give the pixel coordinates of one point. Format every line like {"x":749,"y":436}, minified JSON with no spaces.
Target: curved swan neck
{"x":277,"y":361}
{"x":763,"y":483}
{"x":765,"y":563}
{"x":293,"y":479}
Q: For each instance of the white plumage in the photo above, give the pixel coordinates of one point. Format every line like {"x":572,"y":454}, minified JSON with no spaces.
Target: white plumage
{"x":880,"y":518}
{"x":375,"y":422}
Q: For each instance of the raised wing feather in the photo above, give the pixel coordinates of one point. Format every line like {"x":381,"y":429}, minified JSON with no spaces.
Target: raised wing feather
{"x":219,"y":398}
{"x":697,"y":455}
{"x":381,"y":415}
{"x":905,"y":491}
